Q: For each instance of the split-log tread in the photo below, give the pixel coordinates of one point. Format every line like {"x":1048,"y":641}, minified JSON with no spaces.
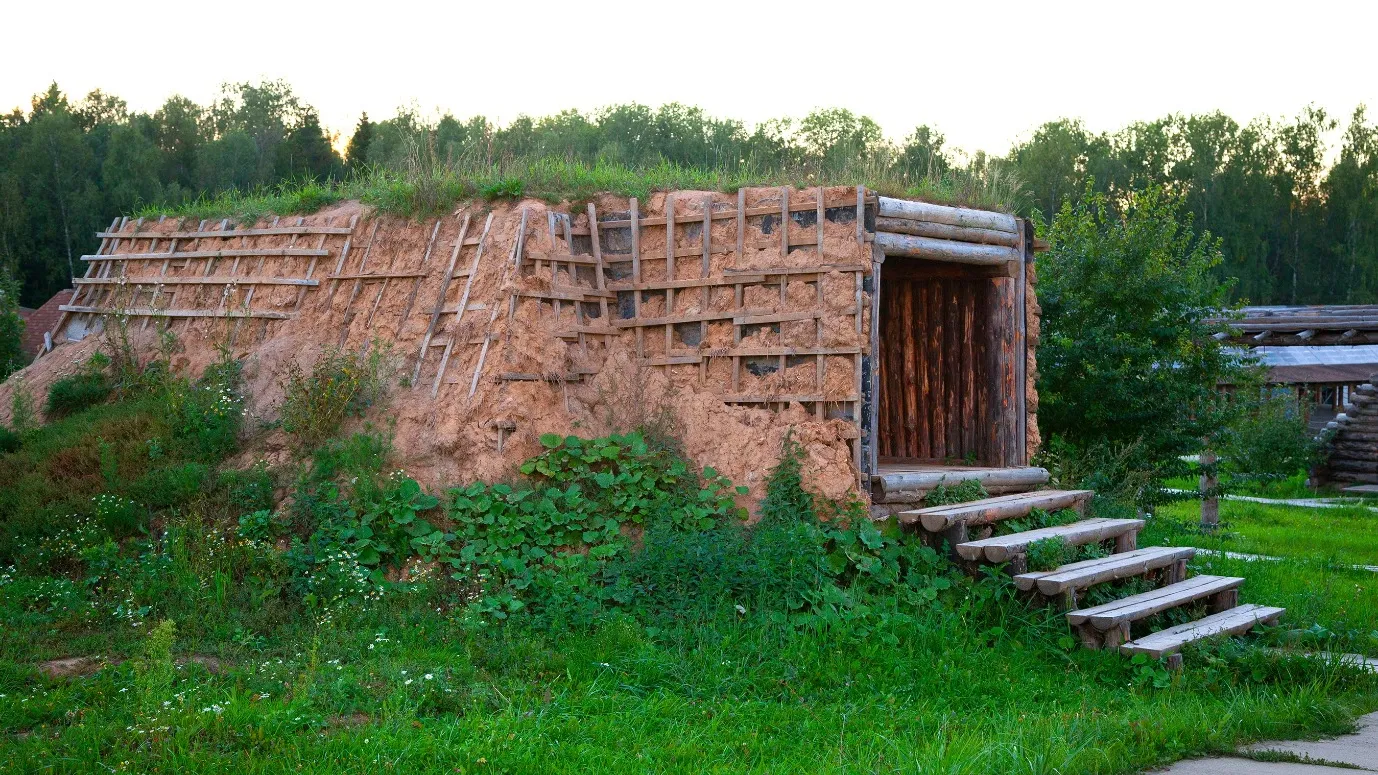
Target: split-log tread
{"x":1142,"y":606}
{"x":1235,"y":621}
{"x":1080,"y":575}
{"x":988,"y":510}
{"x":1087,"y":531}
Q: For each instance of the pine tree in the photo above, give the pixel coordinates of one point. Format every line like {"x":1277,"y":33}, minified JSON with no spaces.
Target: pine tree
{"x":356,"y":154}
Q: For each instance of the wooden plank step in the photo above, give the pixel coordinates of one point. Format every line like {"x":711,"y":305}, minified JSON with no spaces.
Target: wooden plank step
{"x":1079,"y":575}
{"x":1136,"y":607}
{"x":1087,"y":531}
{"x":1232,"y":622}
{"x":988,"y":510}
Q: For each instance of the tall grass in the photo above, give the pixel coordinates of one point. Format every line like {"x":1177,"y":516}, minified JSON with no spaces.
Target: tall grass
{"x":426,"y":185}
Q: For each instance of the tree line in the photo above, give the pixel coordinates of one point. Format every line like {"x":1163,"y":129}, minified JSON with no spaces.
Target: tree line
{"x":1292,"y":228}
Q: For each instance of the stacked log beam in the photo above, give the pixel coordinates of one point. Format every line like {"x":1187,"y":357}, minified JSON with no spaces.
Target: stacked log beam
{"x":1352,"y":445}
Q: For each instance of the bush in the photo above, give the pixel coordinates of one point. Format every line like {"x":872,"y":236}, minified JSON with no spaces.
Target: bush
{"x":208,"y":414}
{"x":1127,"y":363}
{"x":340,"y":384}
{"x":9,"y":440}
{"x":170,"y":486}
{"x":1269,"y":440}
{"x":12,"y":355}
{"x":82,"y":390}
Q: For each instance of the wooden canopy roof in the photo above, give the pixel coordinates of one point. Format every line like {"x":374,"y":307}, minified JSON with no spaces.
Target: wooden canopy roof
{"x":1305,"y":325}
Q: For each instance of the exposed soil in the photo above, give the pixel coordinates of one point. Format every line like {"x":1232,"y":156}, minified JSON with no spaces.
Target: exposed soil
{"x":452,"y":438}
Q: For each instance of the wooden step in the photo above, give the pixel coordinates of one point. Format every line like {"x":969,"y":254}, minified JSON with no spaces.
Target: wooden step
{"x":1135,"y":607}
{"x":1087,"y":531}
{"x":1080,"y":575}
{"x":983,"y":512}
{"x":1232,"y":622}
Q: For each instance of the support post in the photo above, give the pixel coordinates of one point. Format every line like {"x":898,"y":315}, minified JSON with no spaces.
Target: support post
{"x":1210,"y":500}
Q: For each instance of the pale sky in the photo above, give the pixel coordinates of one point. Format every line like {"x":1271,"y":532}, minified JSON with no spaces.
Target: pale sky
{"x":983,"y":73}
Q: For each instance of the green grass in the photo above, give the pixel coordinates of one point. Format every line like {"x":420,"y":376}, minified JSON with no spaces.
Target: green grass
{"x":966,"y":680}
{"x":1341,"y":535}
{"x":436,"y":188}
{"x":945,"y":692}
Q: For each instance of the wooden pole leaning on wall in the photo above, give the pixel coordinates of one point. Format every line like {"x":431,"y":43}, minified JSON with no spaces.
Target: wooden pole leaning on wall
{"x":78,"y":289}
{"x":439,"y":299}
{"x":600,"y":281}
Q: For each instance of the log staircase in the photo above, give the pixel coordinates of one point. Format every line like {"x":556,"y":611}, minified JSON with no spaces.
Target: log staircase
{"x":969,"y":530}
{"x":1353,"y":447}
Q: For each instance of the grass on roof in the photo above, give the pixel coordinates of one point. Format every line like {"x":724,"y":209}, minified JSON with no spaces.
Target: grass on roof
{"x":436,"y":189}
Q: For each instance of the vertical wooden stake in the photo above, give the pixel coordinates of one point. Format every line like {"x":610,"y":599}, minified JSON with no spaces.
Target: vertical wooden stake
{"x":636,"y":277}
{"x":669,"y":270}
{"x":596,"y":238}
{"x":1210,"y":500}
{"x":704,"y":292}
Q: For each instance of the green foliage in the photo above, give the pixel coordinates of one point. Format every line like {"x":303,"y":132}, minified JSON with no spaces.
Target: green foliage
{"x":23,"y":409}
{"x":208,"y":415}
{"x":340,"y":384}
{"x":1268,"y":441}
{"x":154,"y":671}
{"x":586,"y":494}
{"x":89,"y":386}
{"x":1127,"y":365}
{"x":12,"y":355}
{"x":1046,"y":554}
{"x":962,"y":492}
{"x":9,"y":440}
{"x":786,"y":500}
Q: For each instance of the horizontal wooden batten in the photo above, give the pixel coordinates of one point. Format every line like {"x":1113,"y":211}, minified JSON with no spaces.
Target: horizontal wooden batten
{"x":210,"y":280}
{"x":377,"y":276}
{"x":909,"y":246}
{"x":178,"y":313}
{"x":808,"y":205}
{"x":661,"y":285}
{"x":307,"y":252}
{"x":803,"y":398}
{"x":778,"y":271}
{"x":951,"y":216}
{"x":275,"y":232}
{"x":681,"y":357}
{"x":780,"y":317}
{"x":694,"y":318}
{"x":944,"y":231}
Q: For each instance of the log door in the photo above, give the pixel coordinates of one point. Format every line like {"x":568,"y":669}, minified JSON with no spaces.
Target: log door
{"x":946,"y":364}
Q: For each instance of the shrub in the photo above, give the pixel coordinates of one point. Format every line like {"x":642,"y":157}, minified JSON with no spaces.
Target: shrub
{"x":171,"y":485}
{"x":9,"y":440}
{"x":1127,"y":363}
{"x":340,"y":384}
{"x":12,"y":355}
{"x":208,"y":414}
{"x":86,"y":388}
{"x":558,"y":534}
{"x":1269,"y":440}
{"x":250,"y":489}
{"x":23,"y":412}
{"x":786,"y":499}
{"x":121,"y":516}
